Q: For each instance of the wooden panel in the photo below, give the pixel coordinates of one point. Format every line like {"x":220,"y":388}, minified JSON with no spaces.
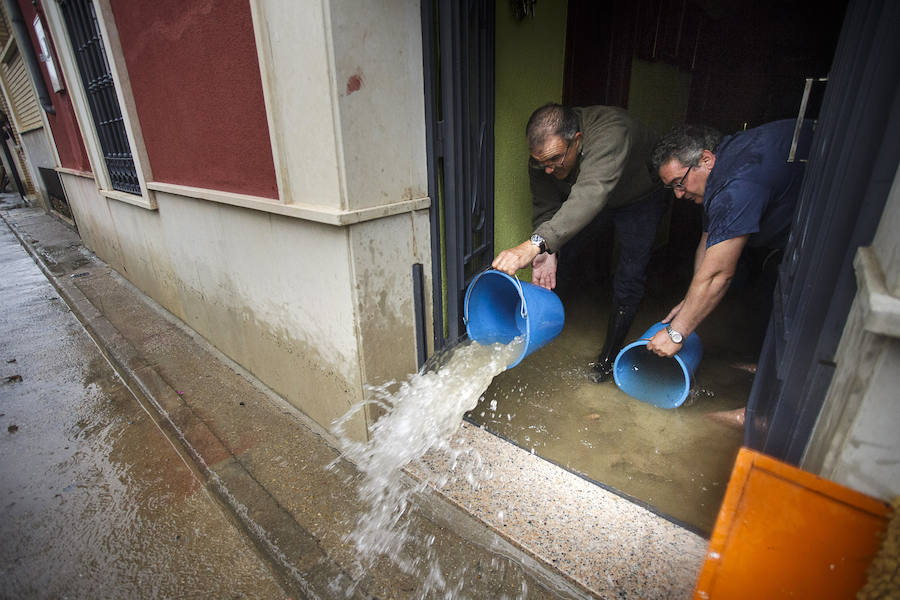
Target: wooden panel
{"x":785,"y":533}
{"x":24,"y":102}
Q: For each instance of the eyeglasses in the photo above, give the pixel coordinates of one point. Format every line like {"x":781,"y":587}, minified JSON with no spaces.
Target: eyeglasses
{"x":679,"y":185}
{"x":542,"y":166}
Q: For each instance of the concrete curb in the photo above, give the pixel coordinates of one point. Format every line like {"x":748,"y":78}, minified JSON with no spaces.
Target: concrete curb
{"x":293,"y":554}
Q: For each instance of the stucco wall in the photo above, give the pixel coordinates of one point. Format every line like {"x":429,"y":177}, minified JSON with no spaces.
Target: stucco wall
{"x":271,"y":292}
{"x":380,"y":107}
{"x":293,"y":41}
{"x":380,"y":100}
{"x":193,"y":69}
{"x":69,"y":145}
{"x":315,"y":310}
{"x":383,"y":253}
{"x":95,"y":225}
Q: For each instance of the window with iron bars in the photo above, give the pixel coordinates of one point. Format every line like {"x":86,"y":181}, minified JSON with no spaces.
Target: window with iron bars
{"x":96,"y":78}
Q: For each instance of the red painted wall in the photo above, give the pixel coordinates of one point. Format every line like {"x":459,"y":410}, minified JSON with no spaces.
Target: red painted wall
{"x":69,"y":144}
{"x":195,"y":77}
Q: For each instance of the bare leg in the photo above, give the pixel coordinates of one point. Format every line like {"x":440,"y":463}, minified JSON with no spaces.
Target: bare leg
{"x":731,"y":418}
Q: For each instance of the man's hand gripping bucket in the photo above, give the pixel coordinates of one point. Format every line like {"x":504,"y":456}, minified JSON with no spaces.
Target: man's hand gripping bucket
{"x":499,"y":308}
{"x":663,"y":382}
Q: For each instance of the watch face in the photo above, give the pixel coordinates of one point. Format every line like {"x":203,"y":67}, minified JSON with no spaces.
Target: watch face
{"x":676,"y":337}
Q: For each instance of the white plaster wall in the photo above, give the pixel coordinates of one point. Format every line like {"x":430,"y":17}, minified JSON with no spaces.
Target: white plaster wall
{"x":344,"y":88}
{"x":294,"y":48}
{"x":271,"y":292}
{"x":870,"y":458}
{"x":146,"y":259}
{"x":383,"y":253}
{"x":94,"y":221}
{"x":380,"y":97}
{"x":855,"y":440}
{"x":315,"y":311}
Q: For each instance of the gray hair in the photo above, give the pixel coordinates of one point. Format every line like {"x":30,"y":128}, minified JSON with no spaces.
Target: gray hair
{"x":551,"y":119}
{"x":684,"y":143}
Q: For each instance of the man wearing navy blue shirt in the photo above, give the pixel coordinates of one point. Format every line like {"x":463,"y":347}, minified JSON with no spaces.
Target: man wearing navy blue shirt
{"x":748,"y":190}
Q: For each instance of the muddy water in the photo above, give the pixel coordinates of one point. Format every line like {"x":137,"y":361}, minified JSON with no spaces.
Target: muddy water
{"x":676,"y":461}
{"x":96,"y":502}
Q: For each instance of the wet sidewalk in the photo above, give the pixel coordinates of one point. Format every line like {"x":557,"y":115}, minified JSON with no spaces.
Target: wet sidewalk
{"x":97,"y":502}
{"x":533,"y":531}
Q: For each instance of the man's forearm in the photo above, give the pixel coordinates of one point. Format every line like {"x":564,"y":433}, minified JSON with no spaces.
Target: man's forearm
{"x":708,"y":287}
{"x":702,"y":297}
{"x":700,"y":252}
{"x":711,"y":280}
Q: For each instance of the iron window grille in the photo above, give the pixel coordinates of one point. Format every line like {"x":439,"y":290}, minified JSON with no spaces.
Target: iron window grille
{"x":96,"y":78}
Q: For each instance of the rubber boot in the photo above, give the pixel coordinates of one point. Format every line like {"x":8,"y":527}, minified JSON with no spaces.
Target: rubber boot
{"x":620,"y":319}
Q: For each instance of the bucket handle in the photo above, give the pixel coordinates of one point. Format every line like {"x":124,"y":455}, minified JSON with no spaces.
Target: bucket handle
{"x":522,"y":296}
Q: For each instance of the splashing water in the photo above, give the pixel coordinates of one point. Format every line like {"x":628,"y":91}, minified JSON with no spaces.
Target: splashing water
{"x":421,"y":415}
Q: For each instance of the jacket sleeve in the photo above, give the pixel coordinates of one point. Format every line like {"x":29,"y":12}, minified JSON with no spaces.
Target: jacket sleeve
{"x":601,"y":168}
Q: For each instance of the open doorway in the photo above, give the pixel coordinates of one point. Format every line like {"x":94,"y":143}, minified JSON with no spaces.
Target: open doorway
{"x":725,"y":64}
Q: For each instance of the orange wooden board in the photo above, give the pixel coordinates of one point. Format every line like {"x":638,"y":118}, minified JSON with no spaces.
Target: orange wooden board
{"x":785,"y":533}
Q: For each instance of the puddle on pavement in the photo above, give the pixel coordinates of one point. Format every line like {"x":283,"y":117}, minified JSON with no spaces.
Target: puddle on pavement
{"x":677,"y":461}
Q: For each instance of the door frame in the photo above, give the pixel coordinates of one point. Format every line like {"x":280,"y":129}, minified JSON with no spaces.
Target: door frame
{"x":458,"y":54}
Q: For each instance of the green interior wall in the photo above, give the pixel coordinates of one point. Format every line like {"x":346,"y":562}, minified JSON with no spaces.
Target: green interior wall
{"x":529,"y":72}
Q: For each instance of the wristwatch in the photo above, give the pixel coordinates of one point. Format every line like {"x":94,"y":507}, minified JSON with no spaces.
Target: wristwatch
{"x":674,"y":335}
{"x":539,"y":242}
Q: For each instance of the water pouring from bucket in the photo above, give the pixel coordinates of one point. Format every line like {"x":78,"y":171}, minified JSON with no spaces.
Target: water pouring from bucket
{"x":663,"y":382}
{"x":500,"y":308}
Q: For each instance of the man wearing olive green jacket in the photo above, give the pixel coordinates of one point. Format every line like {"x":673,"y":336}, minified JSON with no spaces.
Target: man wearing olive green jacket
{"x":590,"y":164}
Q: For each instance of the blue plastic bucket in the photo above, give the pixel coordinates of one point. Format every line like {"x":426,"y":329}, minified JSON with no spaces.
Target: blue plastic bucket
{"x":663,"y":382}
{"x":499,"y":308}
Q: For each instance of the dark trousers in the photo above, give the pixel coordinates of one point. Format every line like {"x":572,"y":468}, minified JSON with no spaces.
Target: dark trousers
{"x":635,"y":228}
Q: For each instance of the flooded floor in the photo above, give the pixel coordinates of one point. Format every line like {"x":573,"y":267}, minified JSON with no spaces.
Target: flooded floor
{"x":97,"y":503}
{"x":675,"y":461}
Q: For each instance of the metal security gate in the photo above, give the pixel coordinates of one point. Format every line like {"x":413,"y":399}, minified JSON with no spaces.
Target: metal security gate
{"x":97,"y":80}
{"x":458,"y":43}
{"x":852,"y":163}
